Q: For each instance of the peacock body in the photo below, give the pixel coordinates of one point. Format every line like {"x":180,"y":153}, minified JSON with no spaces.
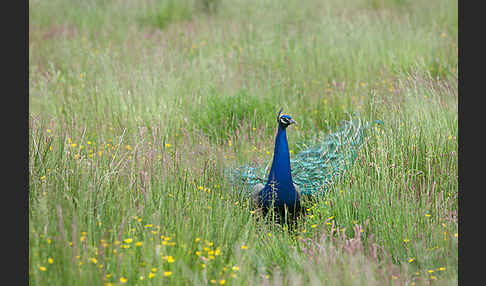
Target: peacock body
{"x":310,"y":172}
{"x":279,"y":189}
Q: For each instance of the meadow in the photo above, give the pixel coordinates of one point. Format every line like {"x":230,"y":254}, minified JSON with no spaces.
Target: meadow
{"x":137,"y":108}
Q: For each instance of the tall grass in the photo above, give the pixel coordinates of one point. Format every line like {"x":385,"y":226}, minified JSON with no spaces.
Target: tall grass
{"x":132,"y":123}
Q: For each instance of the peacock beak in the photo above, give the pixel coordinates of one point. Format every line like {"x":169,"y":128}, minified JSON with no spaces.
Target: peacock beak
{"x":292,"y":121}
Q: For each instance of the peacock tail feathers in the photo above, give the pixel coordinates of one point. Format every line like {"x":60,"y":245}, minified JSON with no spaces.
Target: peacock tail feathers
{"x":315,"y":168}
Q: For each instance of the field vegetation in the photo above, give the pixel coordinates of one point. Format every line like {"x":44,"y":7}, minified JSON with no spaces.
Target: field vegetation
{"x":137,"y":108}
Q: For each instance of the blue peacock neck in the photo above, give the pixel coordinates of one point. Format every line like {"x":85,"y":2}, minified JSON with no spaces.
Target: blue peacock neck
{"x":280,"y":178}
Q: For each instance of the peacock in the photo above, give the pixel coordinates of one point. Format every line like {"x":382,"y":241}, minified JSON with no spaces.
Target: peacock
{"x":309,"y":173}
{"x":279,"y":189}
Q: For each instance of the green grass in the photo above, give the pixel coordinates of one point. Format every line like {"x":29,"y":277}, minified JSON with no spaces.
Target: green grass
{"x":135,"y":112}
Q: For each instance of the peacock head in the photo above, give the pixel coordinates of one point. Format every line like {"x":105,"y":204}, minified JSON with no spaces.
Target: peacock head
{"x":284,"y":120}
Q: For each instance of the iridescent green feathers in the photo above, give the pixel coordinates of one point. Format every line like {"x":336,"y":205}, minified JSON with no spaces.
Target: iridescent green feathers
{"x":315,"y":167}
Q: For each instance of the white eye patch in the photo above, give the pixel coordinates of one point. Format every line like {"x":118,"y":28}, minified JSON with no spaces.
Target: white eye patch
{"x":284,"y":120}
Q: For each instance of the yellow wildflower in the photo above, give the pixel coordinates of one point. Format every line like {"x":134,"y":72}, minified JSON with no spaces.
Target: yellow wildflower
{"x":138,"y":243}
{"x":50,"y":260}
{"x":222,"y":281}
{"x":128,"y":240}
{"x":235,"y":268}
{"x":314,"y":225}
{"x":123,"y":280}
{"x":167,"y":273}
{"x":151,"y":275}
{"x":94,"y":260}
{"x":244,"y":247}
{"x":42,"y":268}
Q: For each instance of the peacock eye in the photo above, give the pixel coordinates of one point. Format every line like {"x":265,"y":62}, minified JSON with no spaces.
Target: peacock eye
{"x":284,"y":120}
